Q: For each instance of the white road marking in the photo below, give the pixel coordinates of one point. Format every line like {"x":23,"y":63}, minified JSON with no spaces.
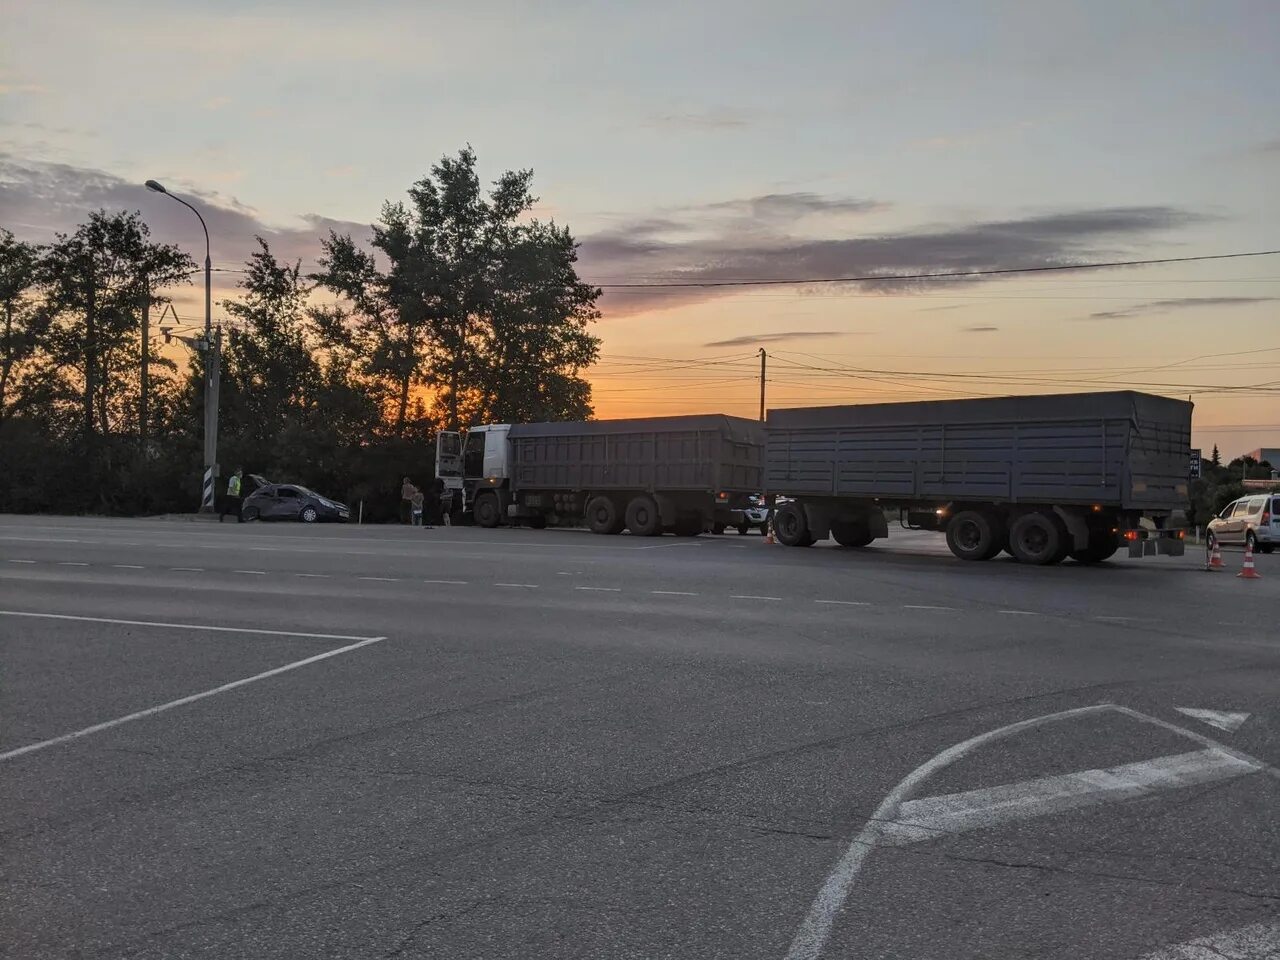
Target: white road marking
{"x":923,"y":606}
{"x":185,"y":626}
{"x":183,"y":701}
{"x":563,"y":573}
{"x":1257,"y":941}
{"x":530,"y":586}
{"x":1120,"y":619}
{"x":252,"y":573}
{"x":672,"y":593}
{"x":750,"y":597}
{"x":601,"y":589}
{"x":314,"y":576}
{"x":1019,"y":613}
{"x":381,"y":579}
{"x":454,"y":582}
{"x":932,"y":817}
{"x":815,"y":929}
{"x":22,"y":561}
{"x":845,"y":603}
{"x":1227,"y":720}
{"x":128,"y":566}
{"x":187,"y":569}
{"x":72,"y":563}
{"x":46,"y":540}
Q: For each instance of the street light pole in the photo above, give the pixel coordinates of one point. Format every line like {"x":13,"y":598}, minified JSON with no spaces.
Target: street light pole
{"x":212,"y":364}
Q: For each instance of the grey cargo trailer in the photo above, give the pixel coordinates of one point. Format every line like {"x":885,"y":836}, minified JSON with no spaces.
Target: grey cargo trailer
{"x":1045,"y":477}
{"x":648,"y":475}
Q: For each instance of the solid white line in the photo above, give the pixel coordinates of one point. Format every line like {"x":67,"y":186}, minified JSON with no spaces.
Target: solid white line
{"x":749,"y":597}
{"x":672,"y":593}
{"x":185,"y":626}
{"x":922,"y":606}
{"x":22,"y":561}
{"x":529,"y":585}
{"x":1019,"y":613}
{"x":382,"y":579}
{"x":931,"y":817}
{"x":844,"y":603}
{"x":252,"y":573}
{"x":183,"y":701}
{"x":128,"y":566}
{"x":72,"y":563}
{"x":601,"y":589}
{"x":455,"y":582}
{"x":815,"y":929}
{"x":1257,"y":941}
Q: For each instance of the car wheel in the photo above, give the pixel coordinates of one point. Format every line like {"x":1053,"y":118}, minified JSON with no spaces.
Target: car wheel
{"x":309,"y":514}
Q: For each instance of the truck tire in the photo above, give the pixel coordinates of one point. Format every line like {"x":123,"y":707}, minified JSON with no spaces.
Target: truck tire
{"x":602,"y":516}
{"x":791,"y":526}
{"x":851,"y":533}
{"x":1039,"y":539}
{"x":643,"y":518}
{"x":688,"y":527}
{"x":973,"y":535}
{"x":717,"y":528}
{"x":487,"y":510}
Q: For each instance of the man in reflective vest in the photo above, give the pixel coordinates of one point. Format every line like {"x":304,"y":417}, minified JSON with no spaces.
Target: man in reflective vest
{"x":233,"y":501}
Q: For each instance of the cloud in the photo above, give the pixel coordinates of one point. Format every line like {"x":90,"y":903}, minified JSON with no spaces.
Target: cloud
{"x":793,"y":206}
{"x":752,"y":340}
{"x":979,"y":329}
{"x":1181,"y":303}
{"x":709,"y":121}
{"x":40,"y":199}
{"x":714,"y":251}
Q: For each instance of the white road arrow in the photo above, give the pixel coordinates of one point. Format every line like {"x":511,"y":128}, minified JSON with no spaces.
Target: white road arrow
{"x":1222,"y":719}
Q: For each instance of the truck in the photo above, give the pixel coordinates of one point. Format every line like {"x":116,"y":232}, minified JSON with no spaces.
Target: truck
{"x":683,"y":474}
{"x":1041,"y":477}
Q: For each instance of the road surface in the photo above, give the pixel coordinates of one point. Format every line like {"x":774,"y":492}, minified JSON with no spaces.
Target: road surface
{"x":225,"y":741}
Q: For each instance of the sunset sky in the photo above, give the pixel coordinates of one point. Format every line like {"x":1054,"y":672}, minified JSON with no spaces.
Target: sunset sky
{"x":727,"y":140}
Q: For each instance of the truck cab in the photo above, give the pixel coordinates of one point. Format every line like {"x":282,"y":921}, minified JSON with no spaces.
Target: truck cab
{"x":473,"y":462}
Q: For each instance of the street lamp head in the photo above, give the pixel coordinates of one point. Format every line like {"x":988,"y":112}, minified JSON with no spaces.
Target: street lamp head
{"x":156,"y":187}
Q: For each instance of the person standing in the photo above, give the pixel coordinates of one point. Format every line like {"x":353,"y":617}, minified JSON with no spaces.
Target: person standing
{"x":407,"y":490}
{"x":417,"y":503}
{"x":233,"y":500}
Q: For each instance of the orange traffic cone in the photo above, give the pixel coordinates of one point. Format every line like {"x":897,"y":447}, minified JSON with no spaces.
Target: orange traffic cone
{"x":1215,"y":558}
{"x":1248,"y":572}
{"x":768,"y":533}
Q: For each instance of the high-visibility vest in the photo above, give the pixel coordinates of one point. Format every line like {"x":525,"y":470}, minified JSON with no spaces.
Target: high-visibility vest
{"x":233,"y":486}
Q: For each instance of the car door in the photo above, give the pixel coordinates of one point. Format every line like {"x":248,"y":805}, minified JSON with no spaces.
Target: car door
{"x":264,"y":502}
{"x":289,"y":504}
{"x":1239,"y":518}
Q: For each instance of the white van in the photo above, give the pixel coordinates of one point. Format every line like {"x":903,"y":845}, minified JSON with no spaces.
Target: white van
{"x":1253,"y":520}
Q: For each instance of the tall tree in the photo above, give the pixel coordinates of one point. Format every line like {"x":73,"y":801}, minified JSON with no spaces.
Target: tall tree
{"x":95,"y":280}
{"x":477,"y":303}
{"x":20,"y":337}
{"x":1215,"y":458}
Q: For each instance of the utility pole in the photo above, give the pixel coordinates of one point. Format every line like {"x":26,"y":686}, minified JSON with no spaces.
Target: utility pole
{"x":763,"y":358}
{"x":145,"y":374}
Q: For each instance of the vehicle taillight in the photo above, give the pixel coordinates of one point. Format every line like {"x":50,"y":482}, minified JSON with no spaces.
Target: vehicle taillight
{"x":1266,"y":516}
{"x":1131,"y":534}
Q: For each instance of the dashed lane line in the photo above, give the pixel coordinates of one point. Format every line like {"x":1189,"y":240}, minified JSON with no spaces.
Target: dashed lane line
{"x":844,"y":603}
{"x":1019,"y":613}
{"x":528,"y":586}
{"x":128,"y":566}
{"x":381,"y":579}
{"x":22,"y":561}
{"x":72,"y":563}
{"x":747,"y":596}
{"x":453,"y":583}
{"x":601,"y":589}
{"x":187,"y":569}
{"x":923,"y":606}
{"x":313,"y":576}
{"x":251,"y":573}
{"x":673,"y":593}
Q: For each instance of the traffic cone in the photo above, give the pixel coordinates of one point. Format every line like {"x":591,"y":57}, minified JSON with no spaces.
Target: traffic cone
{"x":768,"y":533}
{"x":1248,"y":572}
{"x":1215,"y":558}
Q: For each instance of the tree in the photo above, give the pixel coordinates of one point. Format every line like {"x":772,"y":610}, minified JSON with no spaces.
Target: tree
{"x":1215,"y":458}
{"x":476,"y":304}
{"x":23,"y":329}
{"x":95,"y":280}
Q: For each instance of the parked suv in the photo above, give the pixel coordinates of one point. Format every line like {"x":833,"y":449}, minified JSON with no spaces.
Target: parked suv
{"x":1253,"y":520}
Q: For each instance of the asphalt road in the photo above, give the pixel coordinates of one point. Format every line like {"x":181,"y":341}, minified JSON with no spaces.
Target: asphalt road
{"x":463,"y":743}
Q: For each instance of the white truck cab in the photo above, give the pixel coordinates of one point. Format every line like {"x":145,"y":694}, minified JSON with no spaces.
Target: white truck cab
{"x":473,"y":461}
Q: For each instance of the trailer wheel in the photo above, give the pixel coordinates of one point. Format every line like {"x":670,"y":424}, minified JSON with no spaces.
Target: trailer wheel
{"x":643,"y":519}
{"x":972,"y":535}
{"x":791,"y":526}
{"x":1040,"y":539}
{"x":488,"y":512}
{"x":602,"y":516}
{"x":851,"y":533}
